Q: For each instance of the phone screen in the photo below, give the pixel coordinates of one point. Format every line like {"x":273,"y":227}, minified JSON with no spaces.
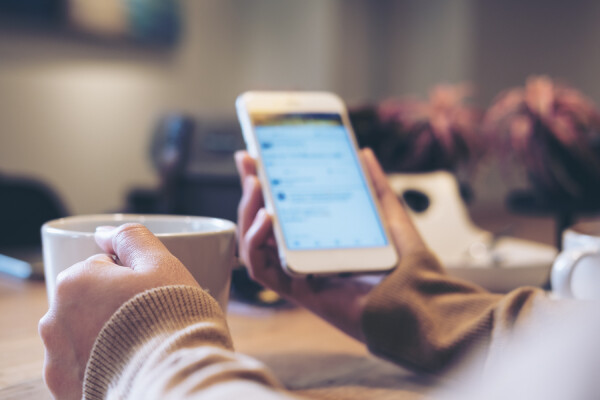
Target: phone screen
{"x":319,"y":192}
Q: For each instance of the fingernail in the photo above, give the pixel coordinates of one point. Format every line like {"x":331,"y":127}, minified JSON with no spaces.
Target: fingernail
{"x":262,"y":214}
{"x":248,"y":182}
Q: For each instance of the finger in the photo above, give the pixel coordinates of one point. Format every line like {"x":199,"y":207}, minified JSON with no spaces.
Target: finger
{"x":258,"y":233}
{"x":244,"y":164}
{"x":250,"y":203}
{"x":400,"y":223}
{"x":80,"y":279}
{"x":261,"y":258}
{"x":101,"y":259}
{"x":390,"y":204}
{"x":135,"y":246}
{"x":255,"y":240}
{"x":103,"y":237}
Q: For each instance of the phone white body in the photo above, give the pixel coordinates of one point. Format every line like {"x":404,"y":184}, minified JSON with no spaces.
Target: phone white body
{"x":327,"y":219}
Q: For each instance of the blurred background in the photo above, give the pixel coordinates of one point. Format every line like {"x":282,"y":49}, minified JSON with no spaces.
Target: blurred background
{"x":128,"y":106}
{"x":84,"y":84}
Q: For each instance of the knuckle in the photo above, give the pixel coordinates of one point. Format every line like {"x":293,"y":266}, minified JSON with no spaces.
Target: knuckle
{"x":127,"y":231}
{"x":45,"y":329}
{"x":128,"y":235}
{"x":95,"y":259}
{"x":64,"y":289}
{"x":64,"y":283}
{"x":68,"y":281}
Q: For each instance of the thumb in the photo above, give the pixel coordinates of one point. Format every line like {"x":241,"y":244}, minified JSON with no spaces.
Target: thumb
{"x":405,"y":234}
{"x":134,"y":244}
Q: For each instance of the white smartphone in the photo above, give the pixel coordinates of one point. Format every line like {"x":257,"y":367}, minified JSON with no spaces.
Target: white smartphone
{"x":327,"y":220}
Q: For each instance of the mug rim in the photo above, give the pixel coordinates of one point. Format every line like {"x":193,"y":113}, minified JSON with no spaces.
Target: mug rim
{"x":57,"y":226}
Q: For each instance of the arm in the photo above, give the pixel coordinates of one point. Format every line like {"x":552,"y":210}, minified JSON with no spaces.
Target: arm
{"x":426,"y":320}
{"x":417,"y":316}
{"x":339,"y":301}
{"x":171,"y":343}
{"x":143,"y":329}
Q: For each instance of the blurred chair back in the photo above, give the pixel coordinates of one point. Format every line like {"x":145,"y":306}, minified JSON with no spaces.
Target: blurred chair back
{"x":194,"y":161}
{"x":170,"y":153}
{"x":170,"y":146}
{"x":25,"y":205}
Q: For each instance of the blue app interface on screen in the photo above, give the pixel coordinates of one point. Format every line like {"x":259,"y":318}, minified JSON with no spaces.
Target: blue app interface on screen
{"x":319,"y":192}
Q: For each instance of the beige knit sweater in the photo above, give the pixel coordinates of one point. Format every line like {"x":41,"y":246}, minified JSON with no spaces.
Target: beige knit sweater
{"x":173,"y":342}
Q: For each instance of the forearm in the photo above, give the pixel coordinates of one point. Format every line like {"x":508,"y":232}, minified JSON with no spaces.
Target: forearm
{"x":421,"y":318}
{"x":172,"y":343}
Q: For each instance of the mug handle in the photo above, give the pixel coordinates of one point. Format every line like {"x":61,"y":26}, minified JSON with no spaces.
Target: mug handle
{"x":562,"y":271}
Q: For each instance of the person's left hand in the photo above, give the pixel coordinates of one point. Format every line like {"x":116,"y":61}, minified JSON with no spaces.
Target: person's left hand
{"x":338,"y":300}
{"x":88,"y":293}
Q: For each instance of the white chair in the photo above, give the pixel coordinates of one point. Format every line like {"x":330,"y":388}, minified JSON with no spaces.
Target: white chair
{"x":467,"y":251}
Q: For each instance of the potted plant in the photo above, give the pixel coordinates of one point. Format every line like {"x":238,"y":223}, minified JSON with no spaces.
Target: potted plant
{"x":411,"y":135}
{"x":414,"y":135}
{"x":553,"y":131}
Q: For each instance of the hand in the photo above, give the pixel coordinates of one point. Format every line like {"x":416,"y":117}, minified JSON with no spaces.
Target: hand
{"x":340,"y":301}
{"x":89,"y":293}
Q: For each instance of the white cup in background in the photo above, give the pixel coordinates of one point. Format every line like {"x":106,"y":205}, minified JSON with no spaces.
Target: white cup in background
{"x":206,"y":246}
{"x":576,"y":270}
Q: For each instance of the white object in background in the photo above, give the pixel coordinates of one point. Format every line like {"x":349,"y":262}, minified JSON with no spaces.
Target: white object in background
{"x":499,"y":264}
{"x":206,"y":246}
{"x":576,"y":271}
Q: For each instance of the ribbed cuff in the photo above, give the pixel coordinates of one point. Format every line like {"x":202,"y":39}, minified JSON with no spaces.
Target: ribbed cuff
{"x":387,"y":321}
{"x":144,"y":323}
{"x":421,"y":318}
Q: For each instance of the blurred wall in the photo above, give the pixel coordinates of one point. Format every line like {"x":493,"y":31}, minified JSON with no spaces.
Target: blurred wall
{"x":79,"y":115}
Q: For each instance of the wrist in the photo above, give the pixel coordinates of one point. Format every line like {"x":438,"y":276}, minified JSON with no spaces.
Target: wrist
{"x":148,"y":323}
{"x":339,"y":301}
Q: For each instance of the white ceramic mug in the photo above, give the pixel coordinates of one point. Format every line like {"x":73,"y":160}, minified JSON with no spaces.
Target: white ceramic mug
{"x":206,"y":246}
{"x":576,"y":270}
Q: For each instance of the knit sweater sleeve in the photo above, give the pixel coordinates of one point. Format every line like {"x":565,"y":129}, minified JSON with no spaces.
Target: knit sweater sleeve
{"x":172,"y":343}
{"x":423,"y":319}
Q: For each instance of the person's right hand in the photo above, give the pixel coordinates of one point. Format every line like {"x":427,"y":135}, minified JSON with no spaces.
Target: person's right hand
{"x":338,"y":300}
{"x":88,"y":294}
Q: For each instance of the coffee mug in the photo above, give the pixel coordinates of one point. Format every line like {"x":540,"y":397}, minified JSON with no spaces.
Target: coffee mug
{"x":576,"y":270}
{"x":206,"y":246}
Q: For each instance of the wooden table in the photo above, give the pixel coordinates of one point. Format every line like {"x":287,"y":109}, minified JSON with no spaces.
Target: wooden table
{"x":309,"y":356}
